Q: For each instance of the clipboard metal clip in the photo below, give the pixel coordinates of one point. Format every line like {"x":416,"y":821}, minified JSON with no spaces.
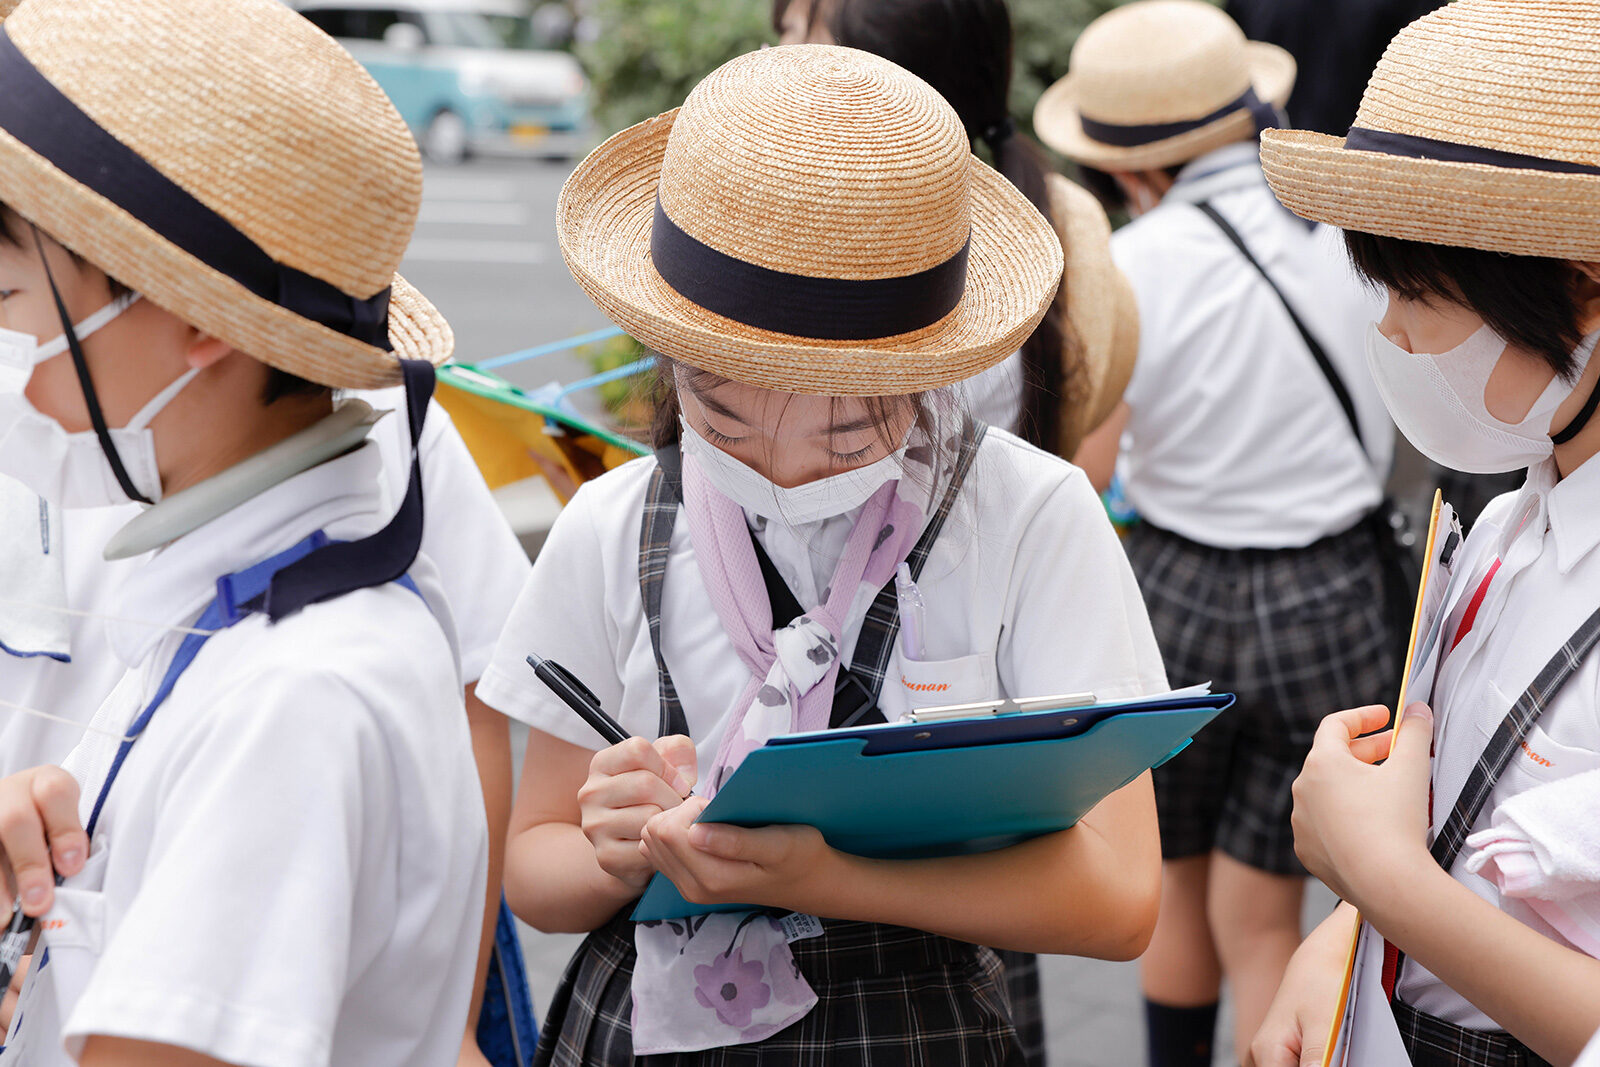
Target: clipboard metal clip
{"x":992,"y":708}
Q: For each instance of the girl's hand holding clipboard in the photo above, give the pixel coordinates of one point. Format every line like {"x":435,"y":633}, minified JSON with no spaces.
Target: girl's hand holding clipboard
{"x":712,"y":863}
{"x":1361,"y":808}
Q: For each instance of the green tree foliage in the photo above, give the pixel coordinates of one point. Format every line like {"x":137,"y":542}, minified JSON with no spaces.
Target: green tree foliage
{"x":646,"y":55}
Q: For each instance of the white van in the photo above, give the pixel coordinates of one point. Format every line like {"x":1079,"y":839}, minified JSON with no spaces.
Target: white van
{"x":457,"y":81}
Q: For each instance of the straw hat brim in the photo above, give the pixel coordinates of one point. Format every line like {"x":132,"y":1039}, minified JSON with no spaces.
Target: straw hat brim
{"x":1466,"y":205}
{"x":603,"y":220}
{"x":126,"y":249}
{"x":1098,"y":304}
{"x":1059,"y":124}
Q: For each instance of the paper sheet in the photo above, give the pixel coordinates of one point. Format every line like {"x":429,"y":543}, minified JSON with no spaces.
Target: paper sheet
{"x":1363,"y":1025}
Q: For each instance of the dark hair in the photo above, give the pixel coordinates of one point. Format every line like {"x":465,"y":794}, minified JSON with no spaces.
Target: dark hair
{"x":18,"y":232}
{"x":1531,"y":301}
{"x":963,"y":49}
{"x":1106,"y":189}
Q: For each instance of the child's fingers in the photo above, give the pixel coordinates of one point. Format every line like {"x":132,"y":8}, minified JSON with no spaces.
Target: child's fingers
{"x":679,"y":753}
{"x":22,"y":837}
{"x":628,"y":790}
{"x":1343,"y":727}
{"x":1373,"y":747}
{"x":55,"y":794}
{"x":634,"y":754}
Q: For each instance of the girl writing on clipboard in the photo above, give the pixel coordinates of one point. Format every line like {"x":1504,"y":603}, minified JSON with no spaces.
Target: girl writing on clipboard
{"x":811,"y":245}
{"x":1470,"y":189}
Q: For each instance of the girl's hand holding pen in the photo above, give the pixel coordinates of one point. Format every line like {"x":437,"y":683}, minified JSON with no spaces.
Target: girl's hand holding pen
{"x":628,"y":784}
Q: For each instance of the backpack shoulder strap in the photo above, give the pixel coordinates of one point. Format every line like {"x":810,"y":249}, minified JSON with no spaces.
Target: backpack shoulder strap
{"x":1318,"y":353}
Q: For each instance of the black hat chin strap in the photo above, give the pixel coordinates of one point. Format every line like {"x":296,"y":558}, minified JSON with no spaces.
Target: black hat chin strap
{"x":91,"y":398}
{"x":1579,"y":421}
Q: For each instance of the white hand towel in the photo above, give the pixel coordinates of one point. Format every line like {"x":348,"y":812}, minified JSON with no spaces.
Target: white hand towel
{"x":1544,"y":849}
{"x":32,"y":583}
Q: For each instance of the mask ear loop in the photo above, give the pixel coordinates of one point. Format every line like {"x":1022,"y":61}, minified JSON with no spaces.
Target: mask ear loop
{"x":91,"y":399}
{"x":1575,"y":427}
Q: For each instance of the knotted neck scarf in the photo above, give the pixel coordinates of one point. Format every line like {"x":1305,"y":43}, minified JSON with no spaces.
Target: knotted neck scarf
{"x":729,"y":979}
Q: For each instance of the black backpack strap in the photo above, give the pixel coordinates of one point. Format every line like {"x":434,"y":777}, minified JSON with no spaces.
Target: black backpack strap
{"x":1318,"y":353}
{"x":856,"y":690}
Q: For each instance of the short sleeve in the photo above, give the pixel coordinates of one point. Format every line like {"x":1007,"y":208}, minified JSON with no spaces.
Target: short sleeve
{"x":481,"y":565}
{"x":237,"y":942}
{"x":1078,"y":622}
{"x":561,"y":615}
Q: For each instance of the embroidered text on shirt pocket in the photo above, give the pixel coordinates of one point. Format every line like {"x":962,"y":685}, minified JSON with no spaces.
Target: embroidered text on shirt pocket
{"x":1540,"y":758}
{"x":936,"y":682}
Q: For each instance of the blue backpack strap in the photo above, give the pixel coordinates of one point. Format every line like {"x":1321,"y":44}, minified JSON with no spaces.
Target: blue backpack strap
{"x":234,"y":591}
{"x":508,"y":1032}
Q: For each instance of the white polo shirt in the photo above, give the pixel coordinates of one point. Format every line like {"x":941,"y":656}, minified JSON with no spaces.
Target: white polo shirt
{"x":1028,"y":593}
{"x":1235,"y":439}
{"x":1548,"y":583}
{"x":480,"y":564}
{"x":290,"y":867}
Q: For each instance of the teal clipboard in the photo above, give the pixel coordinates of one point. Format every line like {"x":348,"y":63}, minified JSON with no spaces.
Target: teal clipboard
{"x":943,"y":801}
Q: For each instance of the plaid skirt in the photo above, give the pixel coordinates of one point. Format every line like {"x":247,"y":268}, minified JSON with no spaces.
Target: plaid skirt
{"x":1432,"y":1042}
{"x":886,"y":997}
{"x":1295,"y":634}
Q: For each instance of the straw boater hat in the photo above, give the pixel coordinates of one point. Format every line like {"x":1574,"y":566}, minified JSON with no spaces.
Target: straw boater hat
{"x":1160,"y":82}
{"x":229,"y":161}
{"x":1480,"y":129}
{"x":1100,"y":310}
{"x":811,"y":220}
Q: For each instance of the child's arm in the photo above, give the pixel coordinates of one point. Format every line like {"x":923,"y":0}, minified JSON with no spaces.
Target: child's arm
{"x":123,"y":1052}
{"x":1092,"y":890}
{"x":1362,"y":829}
{"x":572,"y":860}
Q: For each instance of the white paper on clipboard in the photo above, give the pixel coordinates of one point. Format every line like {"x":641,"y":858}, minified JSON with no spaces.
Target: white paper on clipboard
{"x":1369,"y":1036}
{"x":1363,"y":1031}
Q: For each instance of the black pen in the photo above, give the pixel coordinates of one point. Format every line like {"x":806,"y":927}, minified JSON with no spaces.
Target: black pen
{"x":14,"y":943}
{"x":575,"y":695}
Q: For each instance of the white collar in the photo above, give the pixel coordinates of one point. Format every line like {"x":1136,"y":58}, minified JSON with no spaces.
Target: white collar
{"x":1223,"y":170}
{"x":1574,"y":506}
{"x":176,"y":583}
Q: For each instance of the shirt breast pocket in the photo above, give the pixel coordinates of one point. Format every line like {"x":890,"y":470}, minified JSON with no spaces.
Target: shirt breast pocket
{"x":72,"y":935}
{"x":1539,"y":759}
{"x":936,"y":682}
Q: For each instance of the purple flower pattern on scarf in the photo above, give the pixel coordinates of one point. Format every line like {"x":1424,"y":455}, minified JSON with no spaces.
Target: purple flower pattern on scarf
{"x":732,"y":987}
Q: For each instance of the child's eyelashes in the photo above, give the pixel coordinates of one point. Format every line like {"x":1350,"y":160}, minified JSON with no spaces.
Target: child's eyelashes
{"x":853,"y":457}
{"x":717,"y":437}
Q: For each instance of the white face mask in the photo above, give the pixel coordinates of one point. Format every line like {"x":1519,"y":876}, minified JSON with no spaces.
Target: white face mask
{"x":824,"y":498}
{"x":70,"y":469}
{"x":1438,"y":402}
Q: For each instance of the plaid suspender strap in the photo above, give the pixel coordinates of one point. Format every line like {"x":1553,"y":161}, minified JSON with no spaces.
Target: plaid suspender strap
{"x":655,"y":542}
{"x":1508,"y":737}
{"x":875,"y":645}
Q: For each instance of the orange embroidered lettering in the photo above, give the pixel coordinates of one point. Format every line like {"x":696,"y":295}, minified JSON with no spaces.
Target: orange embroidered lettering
{"x":924,"y":687}
{"x":1540,"y":760}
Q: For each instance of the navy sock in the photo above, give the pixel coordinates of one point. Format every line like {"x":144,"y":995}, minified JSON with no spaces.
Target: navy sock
{"x":1180,"y":1037}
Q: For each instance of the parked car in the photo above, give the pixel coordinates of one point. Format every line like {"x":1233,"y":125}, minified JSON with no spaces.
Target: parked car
{"x":457,"y":82}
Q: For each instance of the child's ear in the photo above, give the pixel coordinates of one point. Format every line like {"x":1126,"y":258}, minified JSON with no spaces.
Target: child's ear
{"x":1588,"y":296}
{"x":205,"y":351}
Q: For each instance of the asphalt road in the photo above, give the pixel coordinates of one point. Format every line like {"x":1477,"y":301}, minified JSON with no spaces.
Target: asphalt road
{"x":485,"y":252}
